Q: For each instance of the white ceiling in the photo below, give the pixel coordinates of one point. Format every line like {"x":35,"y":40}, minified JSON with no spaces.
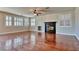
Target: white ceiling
{"x":26,"y":11}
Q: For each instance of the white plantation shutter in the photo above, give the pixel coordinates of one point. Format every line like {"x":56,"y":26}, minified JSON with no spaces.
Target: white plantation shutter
{"x":26,"y":21}
{"x":8,"y":21}
{"x":32,"y":21}
{"x":65,"y":20}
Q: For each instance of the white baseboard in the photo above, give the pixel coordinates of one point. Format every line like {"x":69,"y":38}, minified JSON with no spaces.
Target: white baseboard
{"x":66,"y":34}
{"x":70,"y":34}
{"x":12,"y":32}
{"x":16,"y":32}
{"x":77,"y":36}
{"x":41,"y":31}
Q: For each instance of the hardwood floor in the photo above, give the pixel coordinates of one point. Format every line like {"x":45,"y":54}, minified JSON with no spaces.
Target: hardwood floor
{"x":34,"y":41}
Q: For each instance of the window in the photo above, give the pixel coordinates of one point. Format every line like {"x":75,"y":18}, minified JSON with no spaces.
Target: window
{"x":65,"y":20}
{"x":18,"y":21}
{"x":15,"y":21}
{"x":26,"y":21}
{"x":8,"y":20}
{"x":32,"y":21}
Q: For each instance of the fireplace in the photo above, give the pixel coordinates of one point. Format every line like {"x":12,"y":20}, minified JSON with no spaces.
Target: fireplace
{"x":50,"y":27}
{"x":50,"y":32}
{"x":39,"y":28}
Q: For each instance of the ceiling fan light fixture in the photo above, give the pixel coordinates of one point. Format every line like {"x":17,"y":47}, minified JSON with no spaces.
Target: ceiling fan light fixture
{"x":39,"y":11}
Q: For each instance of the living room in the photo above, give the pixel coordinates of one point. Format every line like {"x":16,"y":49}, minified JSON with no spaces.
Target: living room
{"x":28,"y":23}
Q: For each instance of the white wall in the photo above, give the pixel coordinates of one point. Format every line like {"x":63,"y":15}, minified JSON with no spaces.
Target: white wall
{"x":45,"y":18}
{"x":66,"y":30}
{"x":77,"y":22}
{"x":54,"y":17}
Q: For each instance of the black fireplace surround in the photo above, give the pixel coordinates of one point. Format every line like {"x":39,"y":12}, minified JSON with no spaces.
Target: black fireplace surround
{"x":50,"y":27}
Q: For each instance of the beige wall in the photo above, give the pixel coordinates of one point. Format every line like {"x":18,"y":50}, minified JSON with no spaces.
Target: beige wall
{"x":6,"y":29}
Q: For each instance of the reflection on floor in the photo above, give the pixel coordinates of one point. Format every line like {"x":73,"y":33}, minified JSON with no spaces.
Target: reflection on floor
{"x":34,"y":41}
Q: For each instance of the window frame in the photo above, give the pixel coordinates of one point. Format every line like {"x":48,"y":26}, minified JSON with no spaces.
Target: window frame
{"x":19,"y":21}
{"x":26,"y":23}
{"x":64,"y":20}
{"x":8,"y":20}
{"x":31,"y":24}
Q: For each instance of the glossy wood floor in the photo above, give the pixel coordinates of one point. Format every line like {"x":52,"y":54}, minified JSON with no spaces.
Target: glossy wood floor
{"x":34,"y":41}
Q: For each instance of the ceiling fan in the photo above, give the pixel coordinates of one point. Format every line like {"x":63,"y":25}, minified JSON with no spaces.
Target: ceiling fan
{"x":38,"y":11}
